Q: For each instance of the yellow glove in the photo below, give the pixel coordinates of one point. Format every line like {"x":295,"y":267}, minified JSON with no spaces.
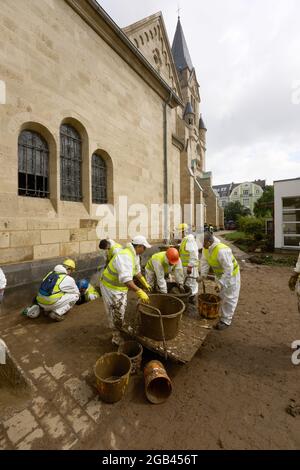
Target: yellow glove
{"x":145,"y":283}
{"x":143,"y":296}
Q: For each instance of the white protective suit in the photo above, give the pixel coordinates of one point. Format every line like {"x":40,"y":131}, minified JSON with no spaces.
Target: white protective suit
{"x":2,"y":284}
{"x":297,"y":270}
{"x":191,"y":281}
{"x":69,"y":299}
{"x":104,"y":257}
{"x":159,"y":274}
{"x":115,"y":301}
{"x":230,"y":285}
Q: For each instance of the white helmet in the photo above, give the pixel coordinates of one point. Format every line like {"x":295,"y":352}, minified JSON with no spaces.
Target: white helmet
{"x":33,"y":311}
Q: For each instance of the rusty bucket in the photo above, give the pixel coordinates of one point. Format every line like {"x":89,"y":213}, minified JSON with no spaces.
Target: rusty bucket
{"x":160,"y":318}
{"x":208,"y":304}
{"x":134,"y":351}
{"x":112,"y":372}
{"x":158,"y":386}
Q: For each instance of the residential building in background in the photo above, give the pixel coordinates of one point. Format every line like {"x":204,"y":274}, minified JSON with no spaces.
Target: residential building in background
{"x":246,"y":193}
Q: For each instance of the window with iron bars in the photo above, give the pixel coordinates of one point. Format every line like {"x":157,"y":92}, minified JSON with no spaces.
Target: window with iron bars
{"x":99,"y":180}
{"x":70,"y":164}
{"x":33,"y":157}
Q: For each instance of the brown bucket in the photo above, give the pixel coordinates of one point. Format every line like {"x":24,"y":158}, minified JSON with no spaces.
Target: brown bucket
{"x":134,"y":351}
{"x":208,"y":304}
{"x":112,"y":372}
{"x":158,"y":386}
{"x":163,"y":308}
{"x":174,"y":290}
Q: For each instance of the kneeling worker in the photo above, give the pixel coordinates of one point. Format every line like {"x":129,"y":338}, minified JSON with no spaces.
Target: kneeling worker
{"x":87,"y":291}
{"x":161,"y":264}
{"x":219,"y":257}
{"x":117,"y":278}
{"x":58,"y":292}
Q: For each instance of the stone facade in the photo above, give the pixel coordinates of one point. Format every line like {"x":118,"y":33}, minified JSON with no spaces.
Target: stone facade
{"x":214,"y":213}
{"x":58,"y":69}
{"x":64,"y":62}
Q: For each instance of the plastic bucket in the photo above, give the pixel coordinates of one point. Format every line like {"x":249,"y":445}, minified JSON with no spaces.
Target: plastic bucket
{"x":174,"y":290}
{"x":134,"y":351}
{"x":171,"y":310}
{"x":158,"y":386}
{"x":209,"y":305}
{"x":112,"y":372}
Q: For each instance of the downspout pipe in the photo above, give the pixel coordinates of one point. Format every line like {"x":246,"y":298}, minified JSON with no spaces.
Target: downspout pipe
{"x":165,"y":150}
{"x":195,"y":180}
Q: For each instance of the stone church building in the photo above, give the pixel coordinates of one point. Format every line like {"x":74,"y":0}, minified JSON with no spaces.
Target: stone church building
{"x":91,"y":112}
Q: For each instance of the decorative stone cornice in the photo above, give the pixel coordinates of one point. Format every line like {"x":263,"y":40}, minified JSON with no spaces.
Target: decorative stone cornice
{"x":92,"y":13}
{"x":178,"y":142}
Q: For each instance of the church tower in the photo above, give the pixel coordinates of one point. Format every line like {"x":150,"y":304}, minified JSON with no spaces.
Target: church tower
{"x":193,"y":156}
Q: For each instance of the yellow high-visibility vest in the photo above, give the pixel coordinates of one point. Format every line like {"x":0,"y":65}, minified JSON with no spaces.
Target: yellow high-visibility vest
{"x":113,"y":251}
{"x":212,"y":259}
{"x":184,"y":254}
{"x":110,"y":277}
{"x":161,"y":258}
{"x":90,"y":290}
{"x":56,"y":292}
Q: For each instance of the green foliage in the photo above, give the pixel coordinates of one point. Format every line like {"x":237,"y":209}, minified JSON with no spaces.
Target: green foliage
{"x":270,"y":260}
{"x":233,"y":236}
{"x":253,"y":226}
{"x":265,"y":204}
{"x":234,"y":210}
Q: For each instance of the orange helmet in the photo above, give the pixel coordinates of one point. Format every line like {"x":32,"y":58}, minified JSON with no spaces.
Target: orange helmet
{"x":172,"y":255}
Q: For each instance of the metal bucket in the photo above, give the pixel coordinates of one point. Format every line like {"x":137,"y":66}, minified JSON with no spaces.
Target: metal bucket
{"x":208,"y":304}
{"x":112,"y":372}
{"x":172,"y":289}
{"x":161,"y":318}
{"x":134,"y":351}
{"x":158,"y":386}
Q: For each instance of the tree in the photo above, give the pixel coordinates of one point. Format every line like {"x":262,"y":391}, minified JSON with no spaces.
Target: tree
{"x":234,"y":210}
{"x":264,"y":206}
{"x":253,"y":226}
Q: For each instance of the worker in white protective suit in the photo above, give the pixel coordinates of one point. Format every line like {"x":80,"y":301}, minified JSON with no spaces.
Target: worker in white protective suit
{"x":294,"y":281}
{"x":189,"y":256}
{"x":161,"y":264}
{"x":110,"y":247}
{"x":219,"y":257}
{"x":3,"y":283}
{"x":58,"y":292}
{"x":117,"y":278}
{"x":87,"y":292}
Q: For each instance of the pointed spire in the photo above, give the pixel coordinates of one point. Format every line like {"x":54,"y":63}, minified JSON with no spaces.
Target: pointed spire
{"x":201,"y":123}
{"x":180,"y":50}
{"x":188,"y":109}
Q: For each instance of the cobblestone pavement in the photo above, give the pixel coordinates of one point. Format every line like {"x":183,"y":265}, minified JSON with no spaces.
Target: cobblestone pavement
{"x":63,"y":407}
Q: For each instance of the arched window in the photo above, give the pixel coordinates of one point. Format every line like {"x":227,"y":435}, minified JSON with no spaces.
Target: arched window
{"x":70,"y":164}
{"x":99,"y":180}
{"x":33,"y":156}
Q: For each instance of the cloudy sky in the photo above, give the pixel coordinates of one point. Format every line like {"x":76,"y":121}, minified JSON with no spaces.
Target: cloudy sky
{"x":247,"y":58}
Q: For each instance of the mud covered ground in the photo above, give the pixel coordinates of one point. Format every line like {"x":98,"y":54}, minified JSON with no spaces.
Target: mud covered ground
{"x":236,"y":393}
